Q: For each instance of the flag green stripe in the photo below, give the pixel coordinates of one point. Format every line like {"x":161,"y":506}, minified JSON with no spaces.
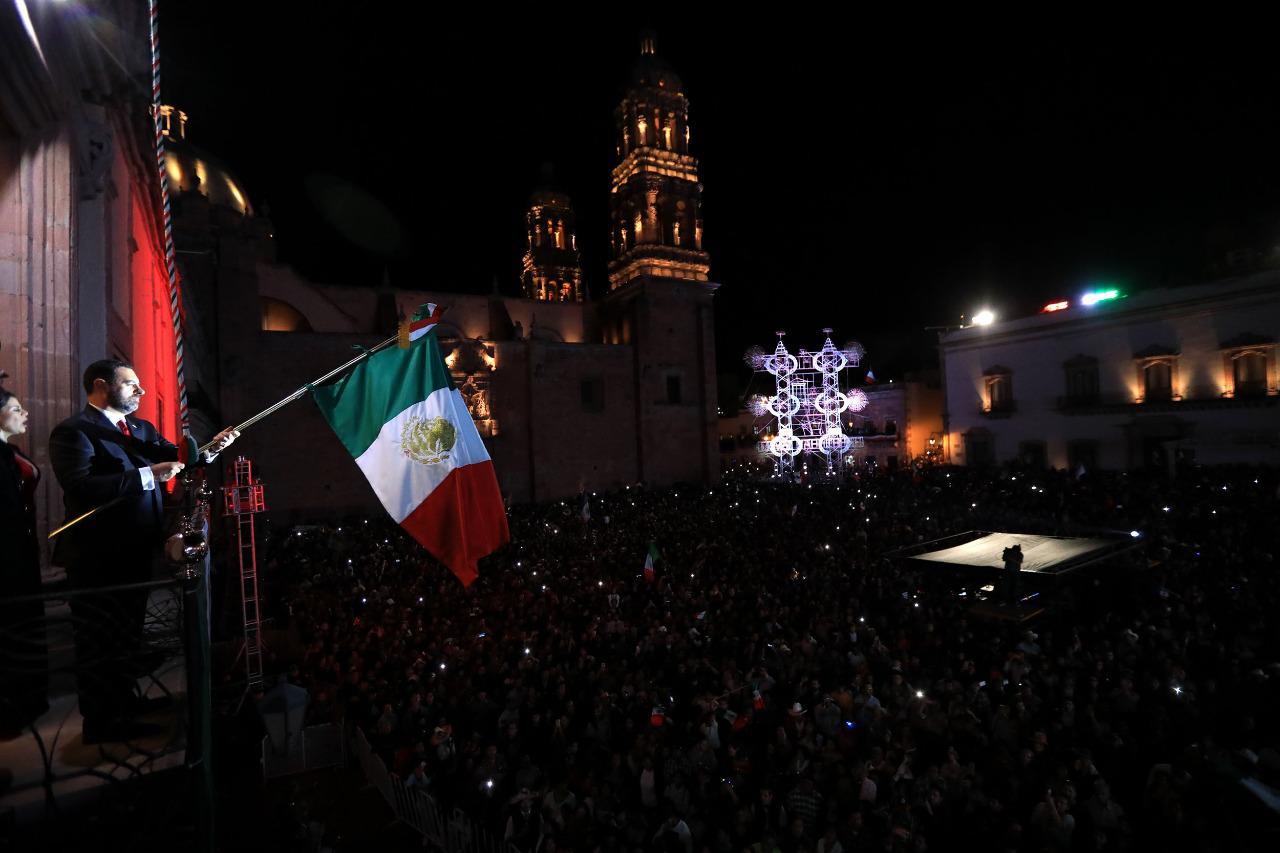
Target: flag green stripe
{"x":379,"y":388}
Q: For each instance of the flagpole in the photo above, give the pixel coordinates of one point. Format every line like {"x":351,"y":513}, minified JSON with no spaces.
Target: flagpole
{"x":280,"y":404}
{"x":274,"y":407}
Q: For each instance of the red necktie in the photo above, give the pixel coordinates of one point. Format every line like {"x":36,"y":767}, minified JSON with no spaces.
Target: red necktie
{"x":124,"y":427}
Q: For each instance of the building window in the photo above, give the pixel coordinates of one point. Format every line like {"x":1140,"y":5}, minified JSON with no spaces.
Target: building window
{"x":560,"y":234}
{"x":890,"y":427}
{"x":978,"y":452}
{"x":673,"y":390}
{"x":1249,"y":366}
{"x":1157,"y":375}
{"x":1157,"y":381}
{"x":1082,"y":380}
{"x":675,"y":233}
{"x":666,"y":136}
{"x":999,"y":390}
{"x":638,"y":226}
{"x":641,"y":128}
{"x":592,"y":391}
{"x":1249,"y":370}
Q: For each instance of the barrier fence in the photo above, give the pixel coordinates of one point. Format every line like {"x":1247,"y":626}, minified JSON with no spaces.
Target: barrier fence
{"x":449,"y":830}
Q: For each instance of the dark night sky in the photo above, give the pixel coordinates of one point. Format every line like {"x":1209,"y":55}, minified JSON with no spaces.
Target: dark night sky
{"x":871,"y":176}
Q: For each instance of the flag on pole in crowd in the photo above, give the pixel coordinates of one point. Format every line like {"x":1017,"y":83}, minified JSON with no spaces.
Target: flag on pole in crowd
{"x":650,"y":559}
{"x":411,"y":434}
{"x":871,"y":377}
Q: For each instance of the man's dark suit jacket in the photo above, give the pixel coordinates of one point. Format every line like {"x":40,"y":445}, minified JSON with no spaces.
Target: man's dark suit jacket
{"x":94,"y":463}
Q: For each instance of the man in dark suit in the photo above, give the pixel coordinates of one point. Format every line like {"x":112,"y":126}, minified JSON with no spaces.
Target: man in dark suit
{"x":103,"y":454}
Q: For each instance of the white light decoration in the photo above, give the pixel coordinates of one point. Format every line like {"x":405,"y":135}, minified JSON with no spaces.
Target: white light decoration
{"x":808,"y":403}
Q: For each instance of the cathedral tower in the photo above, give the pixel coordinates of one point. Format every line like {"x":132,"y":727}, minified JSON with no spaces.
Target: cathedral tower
{"x":551,"y":270}
{"x":655,"y":200}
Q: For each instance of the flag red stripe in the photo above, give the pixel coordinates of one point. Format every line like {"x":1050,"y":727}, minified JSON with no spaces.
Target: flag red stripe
{"x":462,"y":520}
{"x":426,"y":321}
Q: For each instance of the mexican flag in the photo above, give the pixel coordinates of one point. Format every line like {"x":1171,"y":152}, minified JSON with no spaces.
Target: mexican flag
{"x":411,"y":434}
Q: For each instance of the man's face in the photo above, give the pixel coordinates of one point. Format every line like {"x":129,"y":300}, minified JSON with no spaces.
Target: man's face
{"x":125,"y":393}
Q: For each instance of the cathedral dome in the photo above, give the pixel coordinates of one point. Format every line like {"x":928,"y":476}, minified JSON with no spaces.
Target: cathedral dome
{"x":192,"y":170}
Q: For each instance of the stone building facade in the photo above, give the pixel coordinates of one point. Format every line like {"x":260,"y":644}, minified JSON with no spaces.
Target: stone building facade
{"x":1186,"y":374}
{"x":82,"y":265}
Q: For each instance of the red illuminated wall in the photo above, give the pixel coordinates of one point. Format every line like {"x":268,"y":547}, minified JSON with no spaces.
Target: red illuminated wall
{"x":143,"y":333}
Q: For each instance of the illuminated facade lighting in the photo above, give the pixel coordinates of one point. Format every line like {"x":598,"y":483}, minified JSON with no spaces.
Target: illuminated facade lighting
{"x":985,"y":317}
{"x":1055,"y":306}
{"x":808,"y":403}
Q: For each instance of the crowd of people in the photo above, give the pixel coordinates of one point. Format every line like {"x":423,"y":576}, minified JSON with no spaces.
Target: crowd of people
{"x":780,"y":682}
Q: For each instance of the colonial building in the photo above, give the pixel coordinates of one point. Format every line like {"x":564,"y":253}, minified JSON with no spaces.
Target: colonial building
{"x":569,"y":393}
{"x":898,"y":423}
{"x":82,"y":263}
{"x":1182,"y":374}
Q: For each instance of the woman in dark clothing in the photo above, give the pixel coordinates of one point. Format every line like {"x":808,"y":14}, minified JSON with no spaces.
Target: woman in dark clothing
{"x":23,"y":679}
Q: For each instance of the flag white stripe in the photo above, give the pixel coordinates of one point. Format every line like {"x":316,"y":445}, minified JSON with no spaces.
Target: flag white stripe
{"x":414,"y":334}
{"x":402,"y":483}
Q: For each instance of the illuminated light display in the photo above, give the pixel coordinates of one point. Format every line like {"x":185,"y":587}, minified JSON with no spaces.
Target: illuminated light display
{"x":808,"y":403}
{"x":1093,"y":297}
{"x":1055,"y":306}
{"x":985,"y":317}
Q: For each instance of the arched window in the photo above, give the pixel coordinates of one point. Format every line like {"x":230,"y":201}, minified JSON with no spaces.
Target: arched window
{"x":1249,"y":370}
{"x":642,"y":128}
{"x":622,"y":239}
{"x":280,"y":316}
{"x":666,"y":136}
{"x":560,"y":234}
{"x":1157,"y":380}
{"x":675,"y":233}
{"x":639,"y":226}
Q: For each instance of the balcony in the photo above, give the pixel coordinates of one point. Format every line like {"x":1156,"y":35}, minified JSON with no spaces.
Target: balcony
{"x":1121,"y":405}
{"x":1001,"y":409}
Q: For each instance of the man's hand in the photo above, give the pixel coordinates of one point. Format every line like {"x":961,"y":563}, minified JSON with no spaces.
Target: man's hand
{"x":166,"y":471}
{"x":222,"y":441}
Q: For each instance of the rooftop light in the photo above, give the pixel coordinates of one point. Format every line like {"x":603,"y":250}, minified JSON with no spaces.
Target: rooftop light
{"x":1093,"y":297}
